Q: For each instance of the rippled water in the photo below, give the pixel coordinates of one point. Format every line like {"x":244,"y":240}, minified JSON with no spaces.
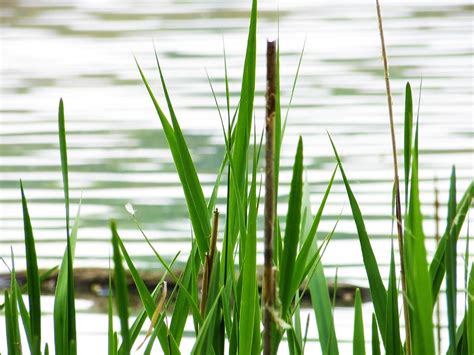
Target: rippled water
{"x":83,"y":51}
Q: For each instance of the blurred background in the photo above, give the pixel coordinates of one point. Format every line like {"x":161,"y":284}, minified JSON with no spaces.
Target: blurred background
{"x":83,"y":51}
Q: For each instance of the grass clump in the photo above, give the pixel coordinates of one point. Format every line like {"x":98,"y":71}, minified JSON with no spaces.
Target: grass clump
{"x":228,"y":309}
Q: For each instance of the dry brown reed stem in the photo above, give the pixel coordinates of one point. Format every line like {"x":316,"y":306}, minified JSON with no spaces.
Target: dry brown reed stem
{"x":269,"y":214}
{"x":398,"y":207}
{"x":437,"y":237}
{"x":208,"y":262}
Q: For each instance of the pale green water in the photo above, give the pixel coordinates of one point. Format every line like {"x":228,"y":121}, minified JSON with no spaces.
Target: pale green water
{"x":83,"y":51}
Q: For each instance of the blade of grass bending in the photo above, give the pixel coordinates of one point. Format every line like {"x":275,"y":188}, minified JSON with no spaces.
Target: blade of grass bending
{"x":112,"y":346}
{"x":375,"y":336}
{"x":438,"y":266}
{"x":393,"y":345}
{"x":121,"y":291}
{"x":308,"y":241}
{"x":187,"y":173}
{"x":292,"y":231}
{"x":358,"y":345}
{"x":32,"y":279}
{"x":377,"y":288}
{"x":142,"y":316}
{"x":419,"y":293}
{"x":450,"y":256}
{"x":143,"y":293}
{"x":317,"y":283}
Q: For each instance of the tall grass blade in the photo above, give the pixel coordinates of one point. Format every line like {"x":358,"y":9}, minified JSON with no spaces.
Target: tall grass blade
{"x":292,"y":231}
{"x":408,"y":137}
{"x":32,"y":279}
{"x":451,"y":254}
{"x":195,"y":202}
{"x":393,"y":345}
{"x":242,"y":132}
{"x":438,"y":266}
{"x":377,"y":288}
{"x":418,"y":278}
{"x":358,"y":340}
{"x":64,"y":303}
{"x":318,"y":285}
{"x":470,"y":312}
{"x":112,"y":345}
{"x":375,"y":337}
{"x":249,"y":296}
{"x":121,"y":292}
{"x":206,"y":326}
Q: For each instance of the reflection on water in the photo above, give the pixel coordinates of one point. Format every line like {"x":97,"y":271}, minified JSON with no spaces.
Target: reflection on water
{"x":83,"y":51}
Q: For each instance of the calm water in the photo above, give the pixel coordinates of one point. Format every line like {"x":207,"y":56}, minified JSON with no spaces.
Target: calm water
{"x":83,"y":51}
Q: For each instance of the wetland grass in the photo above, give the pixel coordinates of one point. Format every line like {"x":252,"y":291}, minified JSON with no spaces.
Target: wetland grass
{"x":228,"y":317}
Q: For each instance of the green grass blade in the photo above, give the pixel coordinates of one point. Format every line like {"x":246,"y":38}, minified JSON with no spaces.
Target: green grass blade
{"x":14,"y":321}
{"x":144,"y":294}
{"x":438,"y":266}
{"x":451,"y":255}
{"x":408,"y":137}
{"x":9,"y":327}
{"x":292,"y":231}
{"x":418,"y":278}
{"x":375,"y":336}
{"x":243,"y":127}
{"x":112,"y":346}
{"x":195,"y":201}
{"x":32,"y":279}
{"x":206,"y":326}
{"x":308,"y":242}
{"x":249,"y":270}
{"x":377,"y":288}
{"x":121,"y":291}
{"x":358,"y":345}
{"x":470,"y":312}
{"x":392,"y":330}
{"x":64,"y":308}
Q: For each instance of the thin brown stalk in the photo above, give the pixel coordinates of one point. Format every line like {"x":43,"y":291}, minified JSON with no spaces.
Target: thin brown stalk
{"x":268,"y":282}
{"x":437,"y":237}
{"x":398,"y":207}
{"x":208,"y":262}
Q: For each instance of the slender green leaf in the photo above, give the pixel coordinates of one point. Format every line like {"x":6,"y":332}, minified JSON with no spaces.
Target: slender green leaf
{"x":470,"y":312}
{"x":375,"y":336}
{"x":377,"y":288}
{"x":437,"y":266}
{"x":392,"y":330}
{"x":32,"y":279}
{"x":292,"y":231}
{"x":121,"y":291}
{"x":408,"y":137}
{"x":358,"y":345}
{"x":450,"y":256}
{"x":416,"y":266}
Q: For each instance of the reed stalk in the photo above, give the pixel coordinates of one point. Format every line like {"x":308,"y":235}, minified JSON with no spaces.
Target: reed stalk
{"x":268,"y":280}
{"x":398,"y":208}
